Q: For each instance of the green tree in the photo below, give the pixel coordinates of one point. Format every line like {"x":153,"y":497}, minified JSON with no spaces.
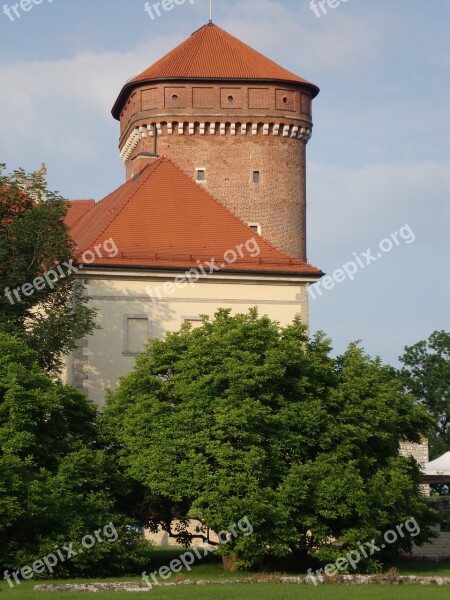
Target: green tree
{"x":426,"y":374}
{"x":56,"y":483}
{"x":34,"y":240}
{"x":242,"y":417}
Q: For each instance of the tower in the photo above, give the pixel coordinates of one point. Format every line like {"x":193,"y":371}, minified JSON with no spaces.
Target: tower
{"x":234,"y":121}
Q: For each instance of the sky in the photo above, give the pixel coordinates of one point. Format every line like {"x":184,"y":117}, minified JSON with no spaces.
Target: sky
{"x":378,"y":163}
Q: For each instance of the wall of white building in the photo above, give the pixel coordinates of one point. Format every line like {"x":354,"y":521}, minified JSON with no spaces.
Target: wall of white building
{"x":131,"y":309}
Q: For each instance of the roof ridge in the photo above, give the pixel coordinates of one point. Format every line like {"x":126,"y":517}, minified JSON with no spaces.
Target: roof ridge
{"x":244,"y":60}
{"x":209,"y":24}
{"x":80,"y":200}
{"x":227,"y":43}
{"x":141,"y":174}
{"x":151,"y":168}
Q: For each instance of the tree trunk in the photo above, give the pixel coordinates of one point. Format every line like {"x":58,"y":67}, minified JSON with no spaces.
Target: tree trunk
{"x":229,"y":562}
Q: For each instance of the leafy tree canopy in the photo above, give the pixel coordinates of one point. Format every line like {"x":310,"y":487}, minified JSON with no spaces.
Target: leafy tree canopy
{"x":34,"y":240}
{"x":242,"y":417}
{"x":56,"y":484}
{"x":426,"y":374}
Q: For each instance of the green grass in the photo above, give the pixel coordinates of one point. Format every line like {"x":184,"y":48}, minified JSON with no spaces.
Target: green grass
{"x":211,"y":568}
{"x":248,"y":592}
{"x":424,"y":568}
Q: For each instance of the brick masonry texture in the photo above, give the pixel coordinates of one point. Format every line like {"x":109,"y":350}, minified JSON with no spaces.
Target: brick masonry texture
{"x":233,"y":102}
{"x":229,"y":153}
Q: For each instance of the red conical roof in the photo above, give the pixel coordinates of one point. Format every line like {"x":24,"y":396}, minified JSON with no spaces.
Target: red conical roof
{"x":212,"y":53}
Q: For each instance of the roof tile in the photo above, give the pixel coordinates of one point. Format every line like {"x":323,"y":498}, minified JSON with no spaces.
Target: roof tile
{"x":162,"y":218}
{"x":212,"y":53}
{"x":77,"y":209}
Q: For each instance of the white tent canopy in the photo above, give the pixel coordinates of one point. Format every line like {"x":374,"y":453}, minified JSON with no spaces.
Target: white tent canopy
{"x":439,"y":466}
{"x":438,"y":470}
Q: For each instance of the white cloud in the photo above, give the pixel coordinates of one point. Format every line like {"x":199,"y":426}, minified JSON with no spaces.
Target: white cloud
{"x":348,"y":207}
{"x":300,"y":41}
{"x":60,"y":110}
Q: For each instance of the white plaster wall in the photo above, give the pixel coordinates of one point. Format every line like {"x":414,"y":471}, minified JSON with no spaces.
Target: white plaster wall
{"x":104,"y":360}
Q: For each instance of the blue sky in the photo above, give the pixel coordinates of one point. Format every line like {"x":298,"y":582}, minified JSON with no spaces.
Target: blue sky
{"x":379,"y":158}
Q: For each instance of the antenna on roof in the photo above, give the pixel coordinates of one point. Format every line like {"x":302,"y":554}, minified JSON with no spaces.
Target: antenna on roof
{"x":210,"y":11}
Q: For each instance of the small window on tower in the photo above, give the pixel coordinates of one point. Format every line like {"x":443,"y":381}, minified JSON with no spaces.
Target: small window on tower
{"x":256,"y":227}
{"x":200,"y":174}
{"x":256,"y":176}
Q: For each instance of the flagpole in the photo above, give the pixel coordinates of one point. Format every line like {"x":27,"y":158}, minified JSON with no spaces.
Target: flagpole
{"x":210,"y":11}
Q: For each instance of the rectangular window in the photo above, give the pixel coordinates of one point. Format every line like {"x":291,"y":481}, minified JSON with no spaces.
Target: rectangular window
{"x":200,"y":174}
{"x":136,"y":334}
{"x":256,"y":227}
{"x":256,"y":176}
{"x":195,"y":322}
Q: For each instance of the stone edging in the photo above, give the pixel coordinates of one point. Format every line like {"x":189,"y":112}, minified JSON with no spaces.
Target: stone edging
{"x":342,"y":579}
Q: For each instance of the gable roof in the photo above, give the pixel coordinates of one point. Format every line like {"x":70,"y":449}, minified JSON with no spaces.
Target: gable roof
{"x":76,"y":210}
{"x":212,"y":53}
{"x":163,"y":219}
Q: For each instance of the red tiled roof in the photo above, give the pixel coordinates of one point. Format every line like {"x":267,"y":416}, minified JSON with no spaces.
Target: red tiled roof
{"x":77,"y":209}
{"x":163,"y":219}
{"x":212,"y":53}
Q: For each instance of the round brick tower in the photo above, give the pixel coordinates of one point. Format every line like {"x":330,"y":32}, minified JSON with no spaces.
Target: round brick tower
{"x":232,"y":119}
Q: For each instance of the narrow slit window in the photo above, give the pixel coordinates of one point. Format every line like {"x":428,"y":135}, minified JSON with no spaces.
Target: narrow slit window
{"x":256,"y":176}
{"x":200,"y":174}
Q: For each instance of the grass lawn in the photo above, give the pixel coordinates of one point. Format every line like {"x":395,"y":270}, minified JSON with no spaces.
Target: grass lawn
{"x":424,"y":568}
{"x":248,"y":592}
{"x":211,"y":568}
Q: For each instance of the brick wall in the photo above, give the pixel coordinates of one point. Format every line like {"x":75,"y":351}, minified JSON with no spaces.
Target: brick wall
{"x":231,"y":131}
{"x":227,"y":100}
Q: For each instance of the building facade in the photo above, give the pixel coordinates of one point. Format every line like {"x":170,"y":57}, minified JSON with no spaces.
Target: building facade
{"x":213,"y":211}
{"x":213,"y":137}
